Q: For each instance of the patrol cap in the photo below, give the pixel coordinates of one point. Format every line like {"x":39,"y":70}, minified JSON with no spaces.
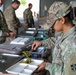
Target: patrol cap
{"x":56,"y":11}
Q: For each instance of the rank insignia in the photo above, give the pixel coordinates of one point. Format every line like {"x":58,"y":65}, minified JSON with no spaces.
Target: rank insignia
{"x":73,"y":67}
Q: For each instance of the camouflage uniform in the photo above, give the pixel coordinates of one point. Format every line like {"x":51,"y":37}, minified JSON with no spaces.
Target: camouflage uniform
{"x":3,"y":28}
{"x":28,"y":18}
{"x":64,"y":53}
{"x":50,"y":42}
{"x":11,"y":19}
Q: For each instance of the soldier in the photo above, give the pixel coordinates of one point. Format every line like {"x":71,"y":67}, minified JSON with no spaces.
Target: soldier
{"x":28,"y":17}
{"x":64,"y":52}
{"x":4,"y":32}
{"x":10,"y":16}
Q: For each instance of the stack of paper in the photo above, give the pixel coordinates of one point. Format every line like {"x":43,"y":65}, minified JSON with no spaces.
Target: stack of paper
{"x":19,"y":40}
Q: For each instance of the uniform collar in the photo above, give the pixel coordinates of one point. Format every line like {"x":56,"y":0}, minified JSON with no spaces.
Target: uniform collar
{"x":69,"y":32}
{"x":12,"y":7}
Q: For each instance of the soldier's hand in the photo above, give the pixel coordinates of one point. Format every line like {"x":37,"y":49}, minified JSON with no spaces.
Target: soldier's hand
{"x":36,"y":44}
{"x":12,"y":34}
{"x":41,"y":66}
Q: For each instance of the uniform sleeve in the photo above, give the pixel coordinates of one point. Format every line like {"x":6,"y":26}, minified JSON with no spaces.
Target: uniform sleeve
{"x":11,"y":19}
{"x":15,"y":21}
{"x":49,"y":43}
{"x":3,"y":24}
{"x":25,"y":16}
{"x":70,"y":67}
{"x":11,"y":27}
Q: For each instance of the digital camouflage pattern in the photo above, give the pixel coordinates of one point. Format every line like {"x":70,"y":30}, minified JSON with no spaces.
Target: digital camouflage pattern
{"x":56,"y":11}
{"x":3,"y":27}
{"x":49,"y":43}
{"x":64,"y":52}
{"x":28,"y":17}
{"x":64,"y":55}
{"x":11,"y":19}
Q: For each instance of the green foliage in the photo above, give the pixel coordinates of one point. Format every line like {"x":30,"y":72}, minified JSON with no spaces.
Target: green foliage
{"x":23,"y":2}
{"x":27,"y":55}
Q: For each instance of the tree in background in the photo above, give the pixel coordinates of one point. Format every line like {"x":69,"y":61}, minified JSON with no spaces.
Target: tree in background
{"x":23,"y":2}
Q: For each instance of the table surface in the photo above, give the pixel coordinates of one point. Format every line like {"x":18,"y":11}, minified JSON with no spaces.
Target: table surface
{"x":7,"y":60}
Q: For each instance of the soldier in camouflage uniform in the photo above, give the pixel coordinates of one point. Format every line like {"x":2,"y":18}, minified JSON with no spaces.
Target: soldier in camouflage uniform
{"x":64,"y":52}
{"x":28,"y":17}
{"x":4,"y":32}
{"x":10,"y":16}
